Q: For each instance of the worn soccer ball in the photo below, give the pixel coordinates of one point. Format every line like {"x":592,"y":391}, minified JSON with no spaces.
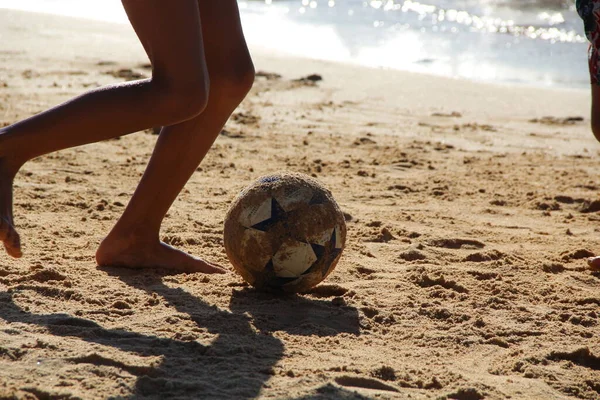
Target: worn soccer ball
{"x":284,"y":232}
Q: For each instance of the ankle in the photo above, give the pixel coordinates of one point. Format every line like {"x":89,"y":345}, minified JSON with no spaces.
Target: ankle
{"x":123,"y":247}
{"x":132,"y":235}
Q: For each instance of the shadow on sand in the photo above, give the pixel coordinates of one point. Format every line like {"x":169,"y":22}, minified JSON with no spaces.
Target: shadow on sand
{"x":236,"y":365}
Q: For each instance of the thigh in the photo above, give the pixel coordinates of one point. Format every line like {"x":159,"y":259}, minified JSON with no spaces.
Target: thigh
{"x":224,"y":43}
{"x":171,"y":33}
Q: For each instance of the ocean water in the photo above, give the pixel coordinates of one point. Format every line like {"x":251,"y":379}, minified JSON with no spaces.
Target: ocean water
{"x":531,"y":42}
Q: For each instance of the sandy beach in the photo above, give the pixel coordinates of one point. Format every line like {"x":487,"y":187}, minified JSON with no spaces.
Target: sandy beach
{"x":470,"y":208}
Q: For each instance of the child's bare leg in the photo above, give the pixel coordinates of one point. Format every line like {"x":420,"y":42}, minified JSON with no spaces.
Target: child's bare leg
{"x":594,"y":262}
{"x":181,"y":148}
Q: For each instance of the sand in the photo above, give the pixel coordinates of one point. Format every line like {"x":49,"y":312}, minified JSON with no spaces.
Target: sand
{"x":471,"y":209}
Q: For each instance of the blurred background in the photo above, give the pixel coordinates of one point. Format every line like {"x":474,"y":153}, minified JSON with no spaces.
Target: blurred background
{"x":528,"y":42}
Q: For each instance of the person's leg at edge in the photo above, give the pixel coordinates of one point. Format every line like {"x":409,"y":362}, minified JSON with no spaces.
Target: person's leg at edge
{"x":594,"y":262}
{"x":587,"y":10}
{"x":134,"y":240}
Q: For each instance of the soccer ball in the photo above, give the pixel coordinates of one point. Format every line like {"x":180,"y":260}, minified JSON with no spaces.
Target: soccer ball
{"x":284,"y":232}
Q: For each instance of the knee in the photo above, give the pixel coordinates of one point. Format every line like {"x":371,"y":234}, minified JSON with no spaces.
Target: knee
{"x":231,"y":85}
{"x":178,"y":102}
{"x":243,"y":80}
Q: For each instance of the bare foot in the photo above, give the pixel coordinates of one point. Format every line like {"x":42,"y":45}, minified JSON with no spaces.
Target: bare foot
{"x":594,"y":263}
{"x":8,"y":234}
{"x":136,"y":253}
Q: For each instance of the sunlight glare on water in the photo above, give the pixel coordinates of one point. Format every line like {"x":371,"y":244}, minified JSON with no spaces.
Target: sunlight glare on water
{"x":539,"y":42}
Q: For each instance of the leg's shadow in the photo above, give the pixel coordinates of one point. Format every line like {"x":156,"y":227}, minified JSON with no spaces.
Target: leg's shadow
{"x":237,"y":364}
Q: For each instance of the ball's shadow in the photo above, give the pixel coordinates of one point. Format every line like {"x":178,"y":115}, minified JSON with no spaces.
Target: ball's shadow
{"x":294,"y":314}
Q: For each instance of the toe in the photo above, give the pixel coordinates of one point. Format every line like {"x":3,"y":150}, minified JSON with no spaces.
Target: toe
{"x":218,"y":270}
{"x":11,"y":239}
{"x":206,"y":268}
{"x":14,"y":252}
{"x":594,"y":263}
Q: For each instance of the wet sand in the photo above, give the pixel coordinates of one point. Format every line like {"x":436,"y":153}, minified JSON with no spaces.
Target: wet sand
{"x":470,"y":210}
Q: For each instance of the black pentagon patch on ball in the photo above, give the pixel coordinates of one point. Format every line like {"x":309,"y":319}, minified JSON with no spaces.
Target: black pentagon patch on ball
{"x":269,"y":279}
{"x":318,"y":198}
{"x":277,"y":214}
{"x":269,"y":179}
{"x":325,"y":255}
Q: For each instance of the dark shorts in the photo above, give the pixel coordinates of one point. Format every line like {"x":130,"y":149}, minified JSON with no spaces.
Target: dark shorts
{"x":589,"y":11}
